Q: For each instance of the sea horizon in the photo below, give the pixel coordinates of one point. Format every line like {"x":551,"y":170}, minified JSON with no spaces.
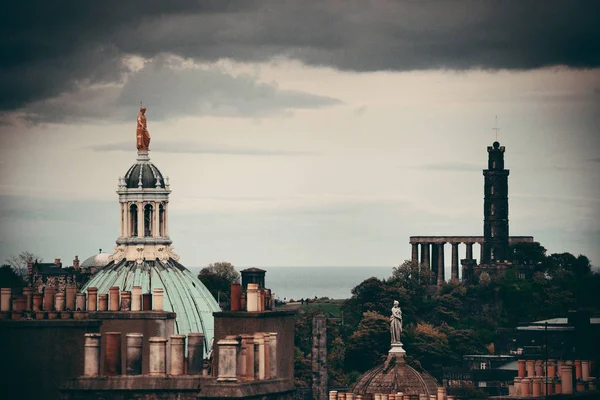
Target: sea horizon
{"x":301,"y":282}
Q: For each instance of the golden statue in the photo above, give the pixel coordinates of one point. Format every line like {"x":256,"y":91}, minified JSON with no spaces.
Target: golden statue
{"x":142,"y":134}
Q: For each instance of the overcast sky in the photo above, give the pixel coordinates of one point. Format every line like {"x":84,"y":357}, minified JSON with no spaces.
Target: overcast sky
{"x":299,"y":133}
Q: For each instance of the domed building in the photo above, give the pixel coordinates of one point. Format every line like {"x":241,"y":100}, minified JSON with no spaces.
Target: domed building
{"x":395,"y":375}
{"x":144,"y":255}
{"x":95,"y":262}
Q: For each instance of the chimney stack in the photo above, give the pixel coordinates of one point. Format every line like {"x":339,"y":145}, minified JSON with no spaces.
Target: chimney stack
{"x":112,"y":353}
{"x":158,"y":356}
{"x":114,"y":298}
{"x":136,"y":298}
{"x":76,"y":262}
{"x":227,"y":360}
{"x":133,"y":362}
{"x":158,"y":299}
{"x":177,"y":355}
{"x":92,"y":299}
{"x":91,"y":365}
{"x":195,"y":353}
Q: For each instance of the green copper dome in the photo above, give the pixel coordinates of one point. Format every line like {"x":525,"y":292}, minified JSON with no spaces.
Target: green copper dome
{"x":184,"y":294}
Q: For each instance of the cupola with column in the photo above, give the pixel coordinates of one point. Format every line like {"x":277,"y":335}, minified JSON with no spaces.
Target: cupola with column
{"x":144,"y":208}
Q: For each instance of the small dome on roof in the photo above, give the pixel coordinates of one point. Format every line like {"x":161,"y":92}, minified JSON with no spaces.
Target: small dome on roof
{"x":395,"y":376}
{"x":96,"y":261}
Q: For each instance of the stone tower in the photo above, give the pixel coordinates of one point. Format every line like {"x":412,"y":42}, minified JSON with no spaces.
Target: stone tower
{"x":495,"y":207}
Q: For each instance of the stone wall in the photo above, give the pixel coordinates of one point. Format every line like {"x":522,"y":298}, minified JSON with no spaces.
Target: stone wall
{"x":37,"y":355}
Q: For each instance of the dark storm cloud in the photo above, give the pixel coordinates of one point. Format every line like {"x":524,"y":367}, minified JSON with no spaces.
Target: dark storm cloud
{"x":170,"y":89}
{"x":50,"y":47}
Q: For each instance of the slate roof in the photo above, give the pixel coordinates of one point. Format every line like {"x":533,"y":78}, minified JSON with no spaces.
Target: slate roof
{"x":183,"y":292}
{"x":395,"y":376}
{"x":50,"y":269}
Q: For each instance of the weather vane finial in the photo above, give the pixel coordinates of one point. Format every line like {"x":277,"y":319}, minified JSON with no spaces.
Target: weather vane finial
{"x":496,"y":128}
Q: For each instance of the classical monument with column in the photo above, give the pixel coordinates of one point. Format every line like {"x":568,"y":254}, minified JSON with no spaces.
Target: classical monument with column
{"x":494,"y":245}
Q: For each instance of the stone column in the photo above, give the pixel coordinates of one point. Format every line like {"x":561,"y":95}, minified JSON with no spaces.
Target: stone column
{"x":415,"y":252}
{"x":566,"y":376}
{"x":28,"y":293}
{"x":260,"y":341}
{"x":140,"y":220}
{"x":441,"y":269}
{"x":158,"y":299}
{"x":59,"y":302}
{"x":469,"y":255}
{"x":248,"y":342}
{"x":48,"y":298}
{"x":585,"y":370}
{"x":454,"y":272}
{"x":227,"y":360}
{"x":127,"y":220}
{"x":425,"y":255}
{"x":91,"y":362}
{"x":92,"y":299}
{"x":195,"y":353}
{"x":521,"y":368}
{"x":156,"y":222}
{"x":530,"y":368}
{"x":80,"y":302}
{"x":133,"y":362}
{"x":166,"y":218}
{"x":252,"y":297}
{"x":177,"y":354}
{"x":38,"y":299}
{"x":273,"y":354}
{"x":114,"y":298}
{"x":136,"y":298}
{"x":103,"y":302}
{"x":112,"y":353}
{"x":158,"y":356}
{"x":125,"y":301}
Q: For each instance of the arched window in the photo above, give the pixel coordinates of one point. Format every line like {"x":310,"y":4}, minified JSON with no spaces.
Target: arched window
{"x":492,"y":253}
{"x":492,"y":209}
{"x":492,"y":189}
{"x":161,"y":220}
{"x":133,"y":220}
{"x":493,"y":231}
{"x":493,"y":164}
{"x":148,"y":220}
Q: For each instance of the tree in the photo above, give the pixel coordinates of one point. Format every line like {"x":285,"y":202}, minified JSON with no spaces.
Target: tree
{"x":218,"y":277}
{"x":9,"y":278}
{"x":369,"y":343}
{"x":19,"y":263}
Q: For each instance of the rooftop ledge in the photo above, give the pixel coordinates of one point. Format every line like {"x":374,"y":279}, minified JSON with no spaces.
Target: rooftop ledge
{"x":258,"y":314}
{"x":132,"y":315}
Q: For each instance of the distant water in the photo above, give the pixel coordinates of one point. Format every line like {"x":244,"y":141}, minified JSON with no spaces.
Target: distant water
{"x":302,"y":282}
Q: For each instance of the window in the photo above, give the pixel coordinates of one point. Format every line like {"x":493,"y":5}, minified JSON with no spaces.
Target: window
{"x":483,"y":365}
{"x":493,"y":231}
{"x":491,"y":254}
{"x":492,"y":209}
{"x":492,"y":189}
{"x":133,"y":220}
{"x":493,"y":164}
{"x":148,"y":220}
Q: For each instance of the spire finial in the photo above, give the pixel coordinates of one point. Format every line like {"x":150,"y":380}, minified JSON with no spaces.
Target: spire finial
{"x":495,"y":128}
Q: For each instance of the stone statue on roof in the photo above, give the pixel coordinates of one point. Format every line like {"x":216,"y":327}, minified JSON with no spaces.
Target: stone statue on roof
{"x":142,"y":134}
{"x":396,"y":322}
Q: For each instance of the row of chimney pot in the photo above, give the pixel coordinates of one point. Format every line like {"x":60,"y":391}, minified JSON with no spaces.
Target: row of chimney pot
{"x":537,"y":368}
{"x":70,"y":300}
{"x":179,"y":364}
{"x":441,"y":395}
{"x":247,"y":357}
{"x":533,"y":382}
